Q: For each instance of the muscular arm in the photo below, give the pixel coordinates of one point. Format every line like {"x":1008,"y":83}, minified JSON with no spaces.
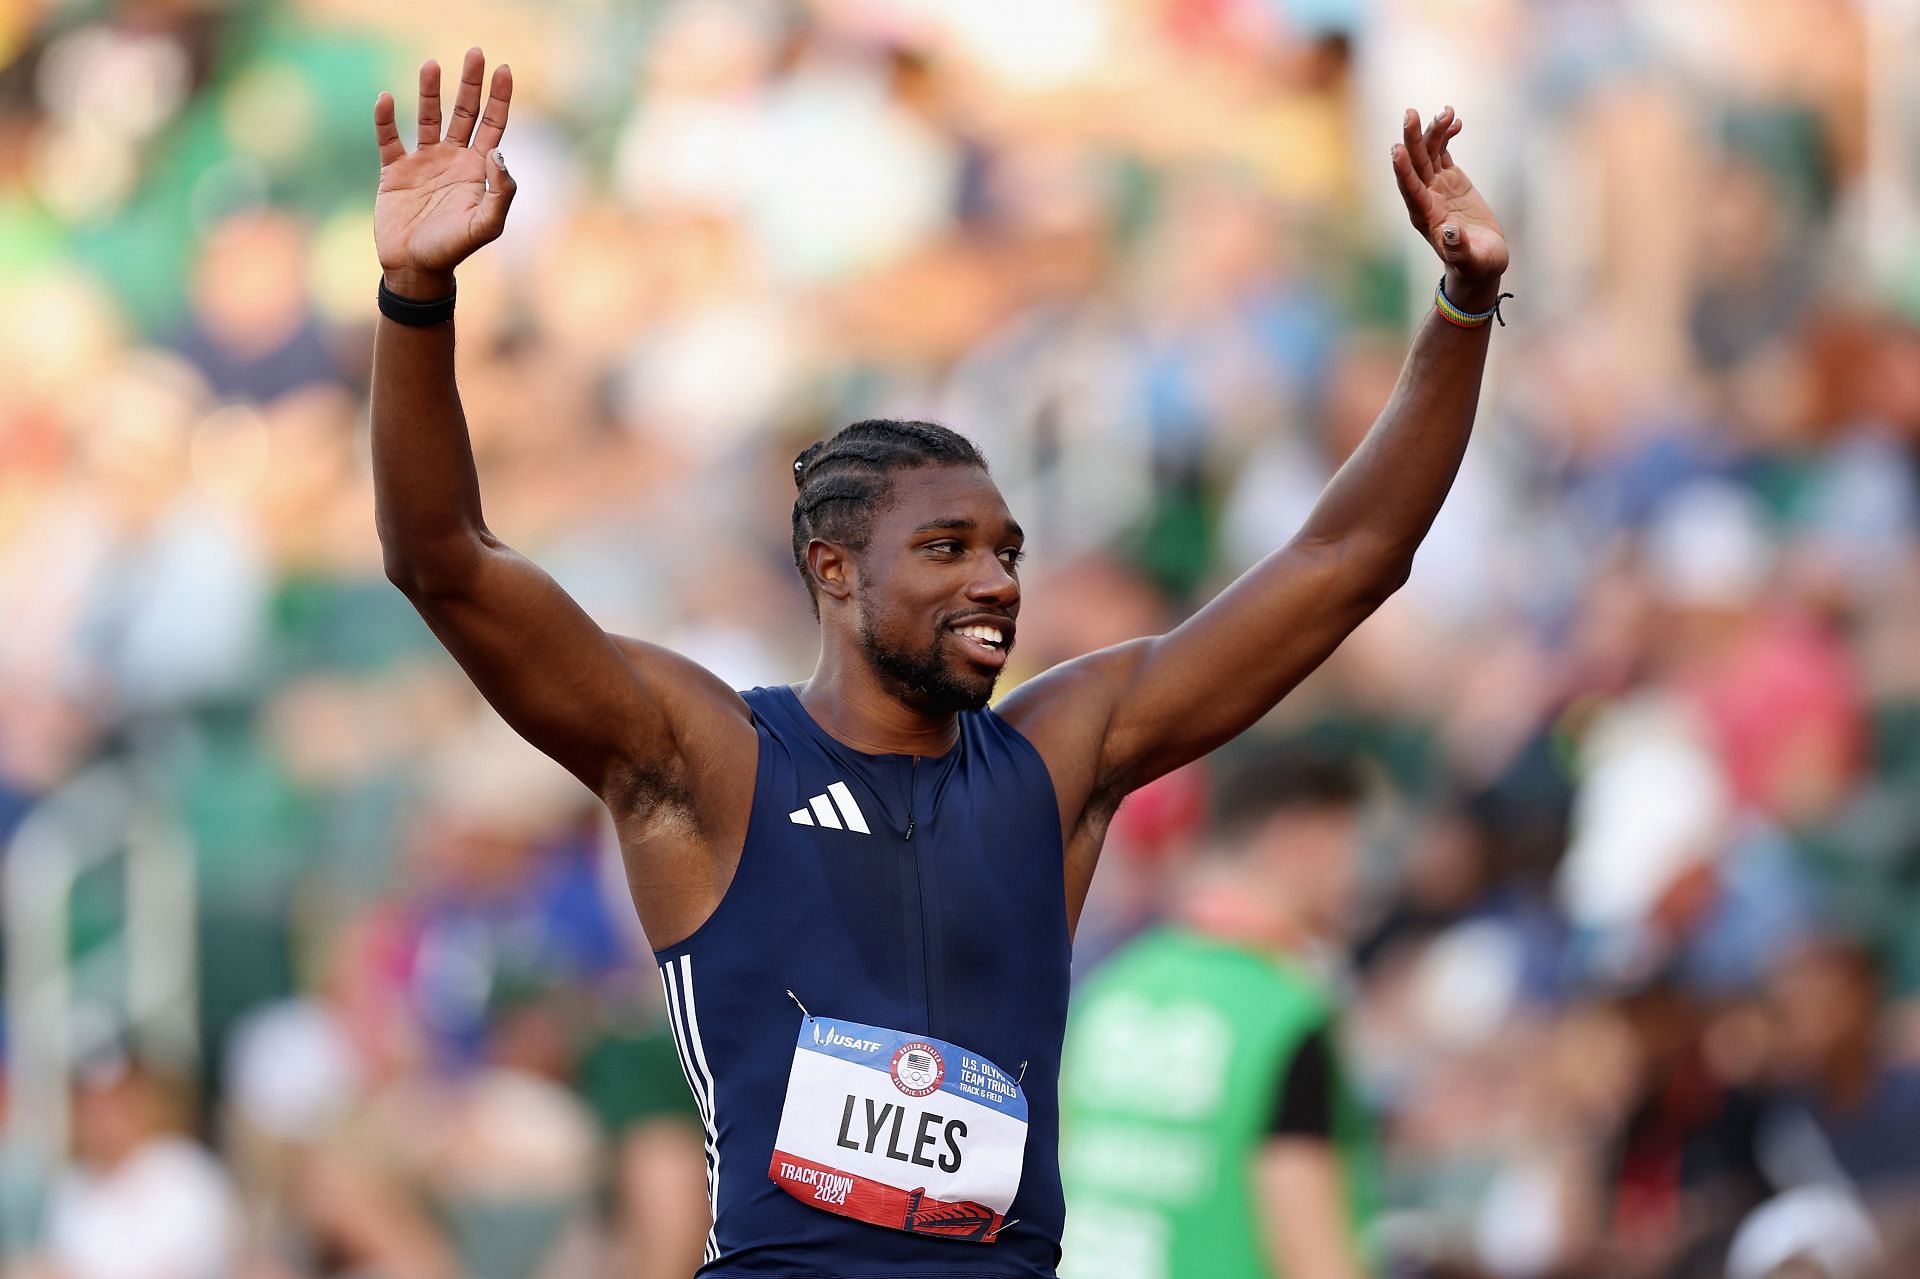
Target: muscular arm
{"x":625,"y":720}
{"x":1180,"y":695}
{"x":535,"y":655}
{"x":1116,"y":719}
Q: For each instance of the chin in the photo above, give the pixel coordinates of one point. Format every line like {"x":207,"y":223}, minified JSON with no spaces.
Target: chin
{"x":960,"y":691}
{"x":971,"y":682}
{"x":937,"y":679}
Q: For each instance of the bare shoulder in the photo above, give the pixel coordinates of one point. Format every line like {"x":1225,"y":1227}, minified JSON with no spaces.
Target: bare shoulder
{"x":680,"y":678}
{"x":1066,"y":714}
{"x":682,"y":827}
{"x":711,"y":724}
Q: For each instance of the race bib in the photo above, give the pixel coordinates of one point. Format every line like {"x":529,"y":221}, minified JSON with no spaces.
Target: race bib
{"x":900,"y":1130}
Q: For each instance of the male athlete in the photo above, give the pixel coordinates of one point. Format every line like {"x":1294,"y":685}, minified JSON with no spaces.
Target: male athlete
{"x":862,"y":888}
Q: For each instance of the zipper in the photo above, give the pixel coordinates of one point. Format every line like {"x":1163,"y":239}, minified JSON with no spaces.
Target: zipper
{"x":920,"y":903}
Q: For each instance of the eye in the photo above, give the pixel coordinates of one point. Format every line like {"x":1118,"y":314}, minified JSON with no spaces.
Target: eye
{"x":945,"y":546}
{"x":1012,"y":555}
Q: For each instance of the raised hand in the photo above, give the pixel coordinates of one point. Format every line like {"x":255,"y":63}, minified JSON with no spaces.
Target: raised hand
{"x":446,"y":198}
{"x":1447,"y":210}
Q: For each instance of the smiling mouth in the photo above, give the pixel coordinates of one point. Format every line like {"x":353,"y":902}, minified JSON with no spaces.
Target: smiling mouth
{"x":991,"y":636}
{"x":984,"y":642}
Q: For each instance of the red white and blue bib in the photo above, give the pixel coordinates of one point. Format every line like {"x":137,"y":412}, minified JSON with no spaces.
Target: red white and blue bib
{"x":905,"y":1131}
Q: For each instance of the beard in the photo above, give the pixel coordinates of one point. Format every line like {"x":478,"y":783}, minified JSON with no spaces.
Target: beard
{"x":926,"y":677}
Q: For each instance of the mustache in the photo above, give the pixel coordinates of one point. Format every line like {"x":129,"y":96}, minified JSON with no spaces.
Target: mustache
{"x":978,"y":614}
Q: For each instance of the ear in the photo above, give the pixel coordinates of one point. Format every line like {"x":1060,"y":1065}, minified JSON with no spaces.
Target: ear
{"x":832,"y":567}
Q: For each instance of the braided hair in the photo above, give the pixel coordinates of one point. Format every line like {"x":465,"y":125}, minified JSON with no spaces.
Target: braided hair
{"x":844,"y":480}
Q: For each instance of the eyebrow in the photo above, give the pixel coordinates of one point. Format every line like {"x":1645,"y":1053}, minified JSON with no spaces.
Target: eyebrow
{"x":960,"y":524}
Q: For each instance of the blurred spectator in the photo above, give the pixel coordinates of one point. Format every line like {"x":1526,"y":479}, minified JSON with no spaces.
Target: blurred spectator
{"x":1850,"y":1100}
{"x":253,"y":335}
{"x":142,"y":1200}
{"x":1682,"y":1166}
{"x":1208,"y":1124}
{"x":631,"y":1076}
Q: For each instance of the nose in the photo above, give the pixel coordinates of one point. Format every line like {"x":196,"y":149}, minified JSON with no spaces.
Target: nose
{"x":996,"y":585}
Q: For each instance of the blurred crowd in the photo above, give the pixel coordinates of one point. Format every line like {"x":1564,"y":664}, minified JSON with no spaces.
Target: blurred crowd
{"x":1635,"y":986}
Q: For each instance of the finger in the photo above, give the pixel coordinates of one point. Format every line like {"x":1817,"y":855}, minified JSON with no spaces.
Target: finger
{"x":386,"y":131}
{"x":493,"y":121}
{"x":1436,"y":132}
{"x":1416,"y":144}
{"x":466,"y":103}
{"x":1444,"y":160}
{"x":429,"y":103}
{"x":491,"y":217}
{"x":1412,"y":189}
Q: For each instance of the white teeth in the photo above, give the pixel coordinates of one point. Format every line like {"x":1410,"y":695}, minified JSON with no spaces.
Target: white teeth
{"x":983,"y":633}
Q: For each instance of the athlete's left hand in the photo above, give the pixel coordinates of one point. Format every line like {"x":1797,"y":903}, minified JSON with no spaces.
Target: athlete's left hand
{"x":1445,"y":208}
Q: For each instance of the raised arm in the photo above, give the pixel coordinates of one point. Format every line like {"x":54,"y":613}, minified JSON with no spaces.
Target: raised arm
{"x":636,"y":724}
{"x":1118,"y":718}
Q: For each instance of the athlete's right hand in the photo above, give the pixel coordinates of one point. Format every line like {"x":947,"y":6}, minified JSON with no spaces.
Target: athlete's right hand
{"x":446,"y":199}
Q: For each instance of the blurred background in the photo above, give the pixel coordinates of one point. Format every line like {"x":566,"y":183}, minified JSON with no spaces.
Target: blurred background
{"x":312,"y":969}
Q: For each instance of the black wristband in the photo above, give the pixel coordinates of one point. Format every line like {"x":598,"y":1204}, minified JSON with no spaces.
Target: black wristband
{"x":416,"y":314}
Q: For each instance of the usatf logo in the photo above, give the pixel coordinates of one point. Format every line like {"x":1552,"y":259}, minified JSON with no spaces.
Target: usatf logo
{"x":918,"y":1068}
{"x":832,"y":1038}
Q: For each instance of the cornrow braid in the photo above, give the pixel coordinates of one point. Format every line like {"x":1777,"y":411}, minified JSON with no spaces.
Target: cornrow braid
{"x":844,"y":480}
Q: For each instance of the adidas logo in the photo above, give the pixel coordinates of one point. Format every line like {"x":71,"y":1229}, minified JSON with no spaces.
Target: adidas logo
{"x":835,"y":810}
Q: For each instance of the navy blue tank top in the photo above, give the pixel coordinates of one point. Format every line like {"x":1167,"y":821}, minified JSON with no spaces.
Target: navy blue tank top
{"x":946,"y":916}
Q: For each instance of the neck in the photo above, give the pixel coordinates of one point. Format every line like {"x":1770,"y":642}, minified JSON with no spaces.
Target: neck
{"x":1227,"y":910}
{"x":847,"y":699}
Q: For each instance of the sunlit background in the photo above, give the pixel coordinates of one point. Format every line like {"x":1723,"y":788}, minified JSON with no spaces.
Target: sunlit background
{"x":294,"y":925}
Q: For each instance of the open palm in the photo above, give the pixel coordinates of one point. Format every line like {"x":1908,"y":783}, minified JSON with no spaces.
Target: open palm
{"x":1442,"y":202}
{"x":445,"y":199}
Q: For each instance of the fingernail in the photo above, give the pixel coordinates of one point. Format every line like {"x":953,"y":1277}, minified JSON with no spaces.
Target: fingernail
{"x":1451,"y":234}
{"x":500,"y":157}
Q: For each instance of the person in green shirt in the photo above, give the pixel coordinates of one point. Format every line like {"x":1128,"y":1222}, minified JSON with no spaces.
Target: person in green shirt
{"x":1208,"y":1127}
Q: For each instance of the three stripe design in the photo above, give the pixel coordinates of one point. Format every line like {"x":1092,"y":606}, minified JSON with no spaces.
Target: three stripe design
{"x":676,"y":977}
{"x":831,"y":808}
{"x":836,"y":810}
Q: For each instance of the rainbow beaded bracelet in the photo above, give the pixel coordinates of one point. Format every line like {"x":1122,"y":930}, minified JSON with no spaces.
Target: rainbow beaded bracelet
{"x":1466,"y":319}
